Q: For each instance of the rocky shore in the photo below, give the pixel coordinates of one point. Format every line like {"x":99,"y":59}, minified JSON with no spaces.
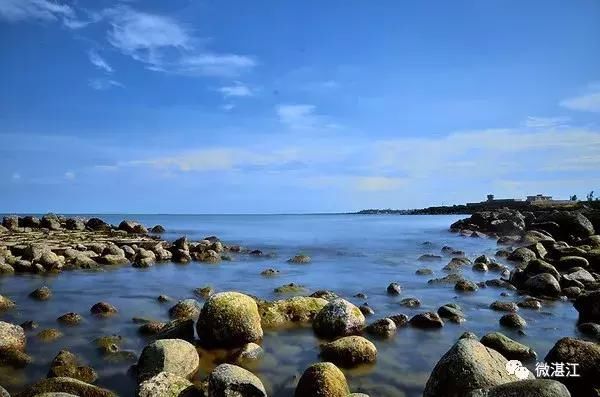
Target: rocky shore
{"x":548,"y":256}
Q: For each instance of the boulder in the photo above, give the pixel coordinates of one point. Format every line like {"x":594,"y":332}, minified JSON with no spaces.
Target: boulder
{"x":158,"y":229}
{"x":74,"y":224}
{"x":41,"y":294}
{"x":522,"y":255}
{"x":164,"y":384}
{"x":229,"y":380}
{"x":586,"y":355}
{"x":97,"y":224}
{"x":588,"y":306}
{"x":465,"y":286}
{"x":177,"y":329}
{"x":504,"y":306}
{"x":383,"y":328}
{"x":427,"y":320}
{"x":65,"y":385}
{"x":467,"y":366}
{"x":394,"y":289}
{"x":544,"y":284}
{"x":175,"y":356}
{"x":66,"y":364}
{"x":6,"y":303}
{"x":187,"y":308}
{"x":103,"y":309}
{"x":70,"y":319}
{"x":338,"y":318}
{"x":11,"y":222}
{"x":249,"y":352}
{"x":50,"y":221}
{"x":349,"y":351}
{"x":513,"y":320}
{"x":568,"y":262}
{"x":510,"y":349}
{"x":571,"y":224}
{"x":300,"y":259}
{"x":525,"y":388}
{"x":299,"y":309}
{"x":322,"y":380}
{"x":229,"y":319}
{"x":132,"y":227}
{"x":12,"y":337}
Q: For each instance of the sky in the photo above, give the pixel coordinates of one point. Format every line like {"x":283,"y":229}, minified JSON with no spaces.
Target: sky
{"x":266,"y":106}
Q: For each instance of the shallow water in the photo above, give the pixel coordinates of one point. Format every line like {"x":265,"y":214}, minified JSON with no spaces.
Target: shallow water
{"x":351,"y":254}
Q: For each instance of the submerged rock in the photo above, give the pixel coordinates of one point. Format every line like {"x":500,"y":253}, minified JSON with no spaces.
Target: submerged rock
{"x":229,"y":319}
{"x":103,"y":309}
{"x":300,"y":259}
{"x":66,"y":364}
{"x":427,"y":320}
{"x":41,"y":294}
{"x":322,"y":380}
{"x":187,"y":308}
{"x":349,"y":351}
{"x":6,"y":303}
{"x":70,"y":319}
{"x":513,"y":320}
{"x":394,"y":289}
{"x":49,"y":335}
{"x":467,"y":366}
{"x":338,"y":318}
{"x":504,"y":306}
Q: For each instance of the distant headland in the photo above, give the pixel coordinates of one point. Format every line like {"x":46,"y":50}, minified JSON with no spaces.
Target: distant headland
{"x":538,"y":202}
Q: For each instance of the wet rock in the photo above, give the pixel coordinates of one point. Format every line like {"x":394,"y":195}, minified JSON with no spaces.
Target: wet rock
{"x":269,"y":272}
{"x":399,"y":319}
{"x":349,"y":351}
{"x":544,"y":284}
{"x":6,"y":303}
{"x":163,"y":298}
{"x":588,"y":306}
{"x":571,"y":223}
{"x":327,"y":295}
{"x":427,"y":320}
{"x":51,"y":222}
{"x":504,"y":306}
{"x":12,"y":337}
{"x":480,"y":267}
{"x":175,"y":356}
{"x":572,"y":292}
{"x":525,"y":388}
{"x":249,"y":352}
{"x":65,"y":385}
{"x":11,"y":222}
{"x":338,"y":318}
{"x":132,"y":227}
{"x":513,"y":320}
{"x":456,"y":264}
{"x":366,"y":310}
{"x":75,"y":224}
{"x":510,"y":349}
{"x":568,"y":262}
{"x":382,"y":328}
{"x":230,"y":380}
{"x":530,"y":303}
{"x":291,"y":288}
{"x":5,"y":268}
{"x":522,"y":255}
{"x":468,"y":335}
{"x":281,"y":313}
{"x":587,"y":357}
{"x":204,"y":292}
{"x":113,"y":260}
{"x":158,"y":229}
{"x":467,"y":366}
{"x":164,"y":384}
{"x":465,"y":286}
{"x":103,"y":309}
{"x":410,"y":302}
{"x":160,"y":253}
{"x":108,"y":344}
{"x":66,"y":364}
{"x":70,"y":319}
{"x":14,"y":358}
{"x":449,"y":279}
{"x":580,"y":275}
{"x":41,"y":294}
{"x":394,"y":289}
{"x":590,"y":329}
{"x":187,"y":308}
{"x":322,"y":380}
{"x":29,"y":325}
{"x":499,"y":283}
{"x":177,"y":329}
{"x":424,"y":272}
{"x":49,"y":335}
{"x":151,"y":328}
{"x":300,"y":259}
{"x":146,"y":258}
{"x":452,"y":312}
{"x":230,"y":319}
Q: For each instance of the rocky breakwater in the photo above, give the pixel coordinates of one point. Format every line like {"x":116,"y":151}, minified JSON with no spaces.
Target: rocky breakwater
{"x":54,"y":243}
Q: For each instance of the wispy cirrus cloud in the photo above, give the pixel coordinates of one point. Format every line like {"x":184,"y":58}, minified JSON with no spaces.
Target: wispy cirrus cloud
{"x":589,"y":101}
{"x":99,"y":62}
{"x":237,"y":89}
{"x":545,"y":122}
{"x":102,"y":84}
{"x":41,"y":10}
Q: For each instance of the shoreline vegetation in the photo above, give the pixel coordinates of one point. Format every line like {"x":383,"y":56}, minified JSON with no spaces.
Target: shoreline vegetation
{"x":554,"y":254}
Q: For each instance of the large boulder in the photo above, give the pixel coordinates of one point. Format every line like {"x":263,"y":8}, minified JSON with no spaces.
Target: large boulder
{"x":280,"y":313}
{"x":187,"y":308}
{"x":525,"y":388}
{"x":6,"y":303}
{"x":230,"y":381}
{"x":544,"y":284}
{"x":229,"y":319}
{"x":50,"y":221}
{"x":168,"y":355}
{"x":132,"y":227}
{"x":571,"y":224}
{"x":322,"y":380}
{"x":164,"y":384}
{"x":11,"y":222}
{"x":588,"y":306}
{"x":65,"y":385}
{"x":467,"y":366}
{"x":97,"y":224}
{"x":338,"y":318}
{"x":349,"y":351}
{"x":66,"y":364}
{"x":586,"y":355}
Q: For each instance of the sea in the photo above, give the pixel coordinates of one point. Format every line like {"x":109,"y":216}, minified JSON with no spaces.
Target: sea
{"x":350,"y":254}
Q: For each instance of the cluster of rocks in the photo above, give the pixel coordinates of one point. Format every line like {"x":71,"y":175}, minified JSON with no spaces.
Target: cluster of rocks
{"x":54,"y":243}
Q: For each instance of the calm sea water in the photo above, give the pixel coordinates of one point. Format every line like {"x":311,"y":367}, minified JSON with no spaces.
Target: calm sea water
{"x":351,"y":254}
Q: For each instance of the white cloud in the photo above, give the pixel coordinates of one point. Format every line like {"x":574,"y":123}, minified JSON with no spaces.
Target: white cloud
{"x":379,"y":183}
{"x":163,"y":44}
{"x":238,"y":89}
{"x":228,"y":107}
{"x":41,"y":10}
{"x":99,"y":62}
{"x":70,"y":175}
{"x":587,"y":102}
{"x":297,"y":116}
{"x":102,"y":84}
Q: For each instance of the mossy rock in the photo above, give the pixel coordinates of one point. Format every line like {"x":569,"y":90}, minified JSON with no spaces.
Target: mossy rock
{"x":301,"y":258}
{"x":281,"y":313}
{"x":509,"y":348}
{"x":291,"y":288}
{"x":229,"y":319}
{"x":322,"y":380}
{"x":165,"y":384}
{"x":349,"y":351}
{"x":65,"y":385}
{"x":338,"y":318}
{"x":49,"y":335}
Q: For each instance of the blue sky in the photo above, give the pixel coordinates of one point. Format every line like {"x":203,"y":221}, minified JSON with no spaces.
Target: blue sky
{"x":295,"y":106}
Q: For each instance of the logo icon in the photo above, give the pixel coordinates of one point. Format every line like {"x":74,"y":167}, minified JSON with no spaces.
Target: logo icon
{"x":516,"y":368}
